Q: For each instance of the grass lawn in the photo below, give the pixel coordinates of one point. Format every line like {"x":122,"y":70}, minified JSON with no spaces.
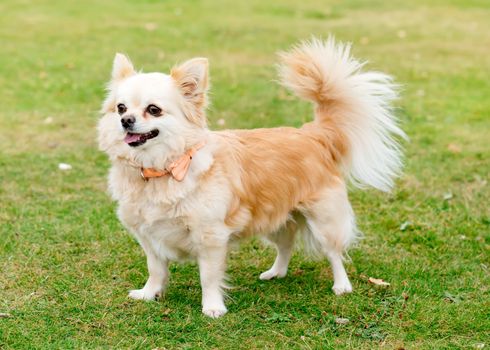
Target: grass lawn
{"x":66,"y":263}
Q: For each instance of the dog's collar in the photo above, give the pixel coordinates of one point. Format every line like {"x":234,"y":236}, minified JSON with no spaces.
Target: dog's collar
{"x":177,"y":169}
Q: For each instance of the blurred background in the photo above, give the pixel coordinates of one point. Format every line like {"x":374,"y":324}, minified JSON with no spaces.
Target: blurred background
{"x":66,"y":263}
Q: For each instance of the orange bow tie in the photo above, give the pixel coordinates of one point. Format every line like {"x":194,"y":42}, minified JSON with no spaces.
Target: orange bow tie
{"x":177,"y":169}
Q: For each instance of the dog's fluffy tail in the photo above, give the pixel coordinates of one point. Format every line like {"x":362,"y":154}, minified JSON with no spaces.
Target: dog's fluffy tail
{"x":357,"y":104}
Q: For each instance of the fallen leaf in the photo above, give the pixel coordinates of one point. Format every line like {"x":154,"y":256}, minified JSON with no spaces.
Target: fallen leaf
{"x":378,"y":281}
{"x":404,"y":225}
{"x":150,"y":26}
{"x":452,"y":298}
{"x":447,"y":196}
{"x":340,"y":320}
{"x":4,"y":315}
{"x":64,"y":166}
{"x":454,"y":148}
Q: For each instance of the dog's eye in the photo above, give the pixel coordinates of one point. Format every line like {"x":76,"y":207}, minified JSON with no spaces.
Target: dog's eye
{"x":121,"y":108}
{"x":154,"y":110}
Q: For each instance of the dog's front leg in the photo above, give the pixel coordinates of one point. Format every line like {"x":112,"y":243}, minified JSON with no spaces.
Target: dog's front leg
{"x":154,"y":286}
{"x":212,"y":264}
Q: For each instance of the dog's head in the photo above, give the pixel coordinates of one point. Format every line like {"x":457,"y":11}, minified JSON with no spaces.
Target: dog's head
{"x":151,"y":117}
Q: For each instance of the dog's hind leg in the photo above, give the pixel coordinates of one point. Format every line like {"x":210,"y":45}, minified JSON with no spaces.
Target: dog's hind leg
{"x":284,"y":242}
{"x":331,"y":223}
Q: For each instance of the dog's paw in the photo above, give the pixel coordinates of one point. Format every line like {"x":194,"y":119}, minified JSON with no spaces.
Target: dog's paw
{"x":215,"y":313}
{"x":342,"y":288}
{"x":272,"y":273}
{"x":144,"y":294}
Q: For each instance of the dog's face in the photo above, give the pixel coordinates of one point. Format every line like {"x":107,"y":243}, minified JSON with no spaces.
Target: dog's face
{"x":149,"y":117}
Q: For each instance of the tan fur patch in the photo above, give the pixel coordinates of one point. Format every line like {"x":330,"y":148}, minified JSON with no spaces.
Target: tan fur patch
{"x":280,"y":170}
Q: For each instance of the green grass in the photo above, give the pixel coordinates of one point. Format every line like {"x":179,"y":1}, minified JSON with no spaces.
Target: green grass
{"x":66,"y":263}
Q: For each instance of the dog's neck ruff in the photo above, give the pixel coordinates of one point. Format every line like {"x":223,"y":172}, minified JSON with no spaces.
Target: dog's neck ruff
{"x":177,"y":169}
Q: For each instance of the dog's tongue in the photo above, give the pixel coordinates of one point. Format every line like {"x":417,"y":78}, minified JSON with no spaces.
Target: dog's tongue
{"x":130,"y":138}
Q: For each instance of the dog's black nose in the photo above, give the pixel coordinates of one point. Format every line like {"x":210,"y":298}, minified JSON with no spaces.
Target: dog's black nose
{"x":128,"y":121}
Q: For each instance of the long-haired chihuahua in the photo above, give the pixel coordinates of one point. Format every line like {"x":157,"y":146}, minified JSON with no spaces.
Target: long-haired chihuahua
{"x":186,"y":192}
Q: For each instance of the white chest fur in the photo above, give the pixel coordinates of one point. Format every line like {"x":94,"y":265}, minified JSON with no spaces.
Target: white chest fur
{"x":168,"y":217}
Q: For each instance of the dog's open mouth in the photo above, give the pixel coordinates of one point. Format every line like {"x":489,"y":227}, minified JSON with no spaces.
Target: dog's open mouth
{"x":135,"y":140}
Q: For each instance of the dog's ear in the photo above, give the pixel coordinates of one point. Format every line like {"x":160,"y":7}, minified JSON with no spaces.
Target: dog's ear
{"x":191,"y":78}
{"x":121,"y":68}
